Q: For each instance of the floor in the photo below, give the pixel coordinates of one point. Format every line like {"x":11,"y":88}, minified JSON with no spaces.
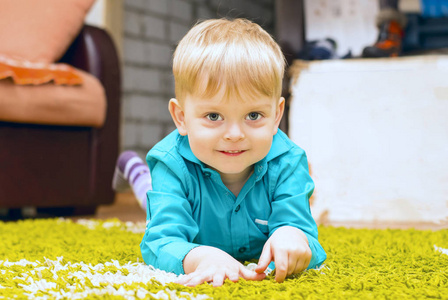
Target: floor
{"x":125,"y":208}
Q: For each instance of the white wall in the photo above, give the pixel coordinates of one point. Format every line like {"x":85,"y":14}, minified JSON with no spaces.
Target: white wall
{"x":376,"y":135}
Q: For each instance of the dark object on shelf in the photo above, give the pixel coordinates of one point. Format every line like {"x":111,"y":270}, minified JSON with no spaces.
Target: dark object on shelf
{"x":425,"y":33}
{"x":318,"y":50}
{"x":389,"y":41}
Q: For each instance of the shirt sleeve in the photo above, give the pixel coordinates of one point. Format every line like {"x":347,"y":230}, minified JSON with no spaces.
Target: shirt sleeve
{"x":170,"y":226}
{"x":290,"y":205}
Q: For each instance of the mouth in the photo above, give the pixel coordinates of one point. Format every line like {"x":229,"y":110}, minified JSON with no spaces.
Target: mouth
{"x":232,"y":152}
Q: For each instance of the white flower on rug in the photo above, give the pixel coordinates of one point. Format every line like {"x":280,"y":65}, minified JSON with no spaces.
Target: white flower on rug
{"x":442,"y":250}
{"x":138,"y":227}
{"x":79,"y":280}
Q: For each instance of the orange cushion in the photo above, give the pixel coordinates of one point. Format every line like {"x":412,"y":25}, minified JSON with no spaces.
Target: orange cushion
{"x":24,"y":72}
{"x":79,"y":105}
{"x":40,"y":30}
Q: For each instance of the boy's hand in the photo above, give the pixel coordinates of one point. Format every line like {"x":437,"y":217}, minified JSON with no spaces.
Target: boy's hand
{"x":288,"y":248}
{"x":210,"y":264}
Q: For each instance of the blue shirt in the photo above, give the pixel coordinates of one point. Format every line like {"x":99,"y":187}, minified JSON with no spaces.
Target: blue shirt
{"x":189,"y":205}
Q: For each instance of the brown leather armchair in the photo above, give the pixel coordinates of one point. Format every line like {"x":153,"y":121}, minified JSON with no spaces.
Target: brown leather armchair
{"x":66,"y":169}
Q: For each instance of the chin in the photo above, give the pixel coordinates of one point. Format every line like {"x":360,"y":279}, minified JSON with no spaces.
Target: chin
{"x":232,"y":170}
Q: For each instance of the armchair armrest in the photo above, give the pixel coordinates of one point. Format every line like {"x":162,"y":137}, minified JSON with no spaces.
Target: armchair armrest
{"x":94,"y":51}
{"x":66,"y":166}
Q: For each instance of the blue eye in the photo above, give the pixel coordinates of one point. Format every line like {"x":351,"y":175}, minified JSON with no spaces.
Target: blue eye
{"x":253,"y":116}
{"x":214,"y":117}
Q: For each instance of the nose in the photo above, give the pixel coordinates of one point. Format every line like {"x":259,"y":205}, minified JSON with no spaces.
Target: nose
{"x":234,"y":132}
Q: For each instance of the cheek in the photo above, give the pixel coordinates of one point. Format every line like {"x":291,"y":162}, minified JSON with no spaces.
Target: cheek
{"x":202,"y":134}
{"x":262,"y":134}
{"x":265,"y":140}
{"x":262,"y":139}
{"x":267,"y":145}
{"x":202,"y":138}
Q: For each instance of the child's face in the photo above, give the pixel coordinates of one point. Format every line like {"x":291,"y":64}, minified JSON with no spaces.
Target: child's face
{"x":228,"y":135}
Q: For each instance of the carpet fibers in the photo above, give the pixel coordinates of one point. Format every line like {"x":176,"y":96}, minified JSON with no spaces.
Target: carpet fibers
{"x":62,"y":259}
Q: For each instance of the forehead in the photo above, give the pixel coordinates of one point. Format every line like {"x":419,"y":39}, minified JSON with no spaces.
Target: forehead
{"x":220,"y":100}
{"x":224,"y":92}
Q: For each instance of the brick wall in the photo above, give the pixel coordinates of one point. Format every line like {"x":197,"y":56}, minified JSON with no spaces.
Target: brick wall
{"x":152,"y":29}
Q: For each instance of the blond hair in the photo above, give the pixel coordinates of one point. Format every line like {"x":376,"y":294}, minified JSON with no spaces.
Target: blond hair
{"x":235,"y":54}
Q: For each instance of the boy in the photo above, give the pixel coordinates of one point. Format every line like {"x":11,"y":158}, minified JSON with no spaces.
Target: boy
{"x":227,"y":185}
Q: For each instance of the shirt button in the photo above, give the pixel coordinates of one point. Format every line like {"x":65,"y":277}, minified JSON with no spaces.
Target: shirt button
{"x":242,"y":250}
{"x":237,"y":208}
{"x":207,"y":174}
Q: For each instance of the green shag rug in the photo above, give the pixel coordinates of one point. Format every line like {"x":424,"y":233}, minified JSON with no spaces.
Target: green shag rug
{"x":61,"y":259}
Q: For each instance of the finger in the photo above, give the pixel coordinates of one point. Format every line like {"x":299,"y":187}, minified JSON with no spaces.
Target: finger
{"x":299,"y":267}
{"x":198,"y":278}
{"x":182,"y":279}
{"x":233,"y":277}
{"x":307,"y":260}
{"x":302,"y":265}
{"x":293,"y":262}
{"x":195,"y":281}
{"x":265,"y":259}
{"x":251,"y":275}
{"x":218,"y":279}
{"x":281,"y":267}
{"x":303,"y":262}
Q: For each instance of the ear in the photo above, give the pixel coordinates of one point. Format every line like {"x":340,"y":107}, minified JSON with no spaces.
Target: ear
{"x":279,"y":113}
{"x":178,"y":115}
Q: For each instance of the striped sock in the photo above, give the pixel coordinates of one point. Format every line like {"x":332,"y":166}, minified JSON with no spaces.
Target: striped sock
{"x":132,"y":171}
{"x":140,"y":180}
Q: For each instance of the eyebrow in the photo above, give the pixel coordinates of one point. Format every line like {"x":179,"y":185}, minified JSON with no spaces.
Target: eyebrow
{"x":263,"y":107}
{"x":210,"y":106}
